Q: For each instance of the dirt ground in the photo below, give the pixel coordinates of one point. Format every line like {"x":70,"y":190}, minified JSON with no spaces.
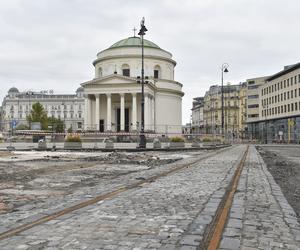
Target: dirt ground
{"x":28,"y":178}
{"x":284,"y":164}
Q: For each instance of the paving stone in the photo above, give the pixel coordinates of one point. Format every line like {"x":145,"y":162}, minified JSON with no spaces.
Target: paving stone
{"x":191,"y":240}
{"x":230,"y":243}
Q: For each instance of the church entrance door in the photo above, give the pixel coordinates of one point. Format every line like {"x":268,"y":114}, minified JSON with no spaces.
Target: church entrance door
{"x":101,"y":125}
{"x":126,"y":120}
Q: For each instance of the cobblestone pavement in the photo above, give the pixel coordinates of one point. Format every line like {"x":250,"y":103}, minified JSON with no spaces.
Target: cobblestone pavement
{"x":260,"y":217}
{"x":52,"y":189}
{"x":173,"y":212}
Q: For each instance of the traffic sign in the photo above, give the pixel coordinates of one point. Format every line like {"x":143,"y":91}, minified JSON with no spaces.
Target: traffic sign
{"x":14,"y":124}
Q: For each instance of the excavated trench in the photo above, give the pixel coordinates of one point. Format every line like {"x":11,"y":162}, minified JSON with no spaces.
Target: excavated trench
{"x":284,"y":165}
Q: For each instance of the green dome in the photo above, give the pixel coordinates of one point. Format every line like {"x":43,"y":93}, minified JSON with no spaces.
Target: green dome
{"x":134,"y":42}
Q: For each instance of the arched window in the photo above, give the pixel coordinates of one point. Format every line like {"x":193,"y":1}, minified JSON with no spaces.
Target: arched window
{"x":100,"y":72}
{"x":125,"y":70}
{"x":157,"y":72}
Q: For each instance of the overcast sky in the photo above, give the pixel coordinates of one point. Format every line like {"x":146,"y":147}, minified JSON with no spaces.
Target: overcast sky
{"x":50,"y":44}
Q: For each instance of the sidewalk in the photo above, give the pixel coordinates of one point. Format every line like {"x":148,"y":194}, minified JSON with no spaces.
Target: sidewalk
{"x":260,"y":217}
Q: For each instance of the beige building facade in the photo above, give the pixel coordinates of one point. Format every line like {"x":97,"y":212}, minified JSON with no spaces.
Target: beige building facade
{"x":234,"y":110}
{"x":278,"y":107}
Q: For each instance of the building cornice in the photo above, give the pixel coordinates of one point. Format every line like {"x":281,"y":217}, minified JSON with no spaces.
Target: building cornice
{"x":283,"y":72}
{"x":128,"y":56}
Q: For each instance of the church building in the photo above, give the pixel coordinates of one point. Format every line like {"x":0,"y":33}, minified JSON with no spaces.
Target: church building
{"x":113,"y":97}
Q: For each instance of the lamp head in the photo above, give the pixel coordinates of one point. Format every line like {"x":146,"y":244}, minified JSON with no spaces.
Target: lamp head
{"x":226,"y":70}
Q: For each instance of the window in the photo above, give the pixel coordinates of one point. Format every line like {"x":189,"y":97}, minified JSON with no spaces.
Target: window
{"x":281,"y":85}
{"x":256,"y":96}
{"x":253,"y":87}
{"x":125,"y":70}
{"x":253,"y":106}
{"x":253,"y":115}
{"x":281,"y":109}
{"x":281,"y":97}
{"x":284,"y":108}
{"x":288,"y":82}
{"x":278,"y":109}
{"x":272,"y":88}
{"x":292,"y":81}
{"x":288,"y":95}
{"x":292,"y":92}
{"x":292,"y":106}
{"x":100,"y":72}
{"x":295,"y":93}
{"x":296,"y":106}
{"x":79,"y":115}
{"x":157,"y":72}
{"x":251,"y":82}
{"x":284,"y":94}
{"x":284,"y":83}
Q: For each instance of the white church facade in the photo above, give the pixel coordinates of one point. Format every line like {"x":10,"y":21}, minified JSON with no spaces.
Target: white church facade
{"x":113,"y":97}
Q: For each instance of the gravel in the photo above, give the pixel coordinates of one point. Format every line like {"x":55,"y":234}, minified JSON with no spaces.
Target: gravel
{"x":284,"y":165}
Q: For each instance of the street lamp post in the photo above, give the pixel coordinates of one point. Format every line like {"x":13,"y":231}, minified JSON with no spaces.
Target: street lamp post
{"x":142,"y":143}
{"x":29,"y":94}
{"x":64,"y":127}
{"x":224,"y":69}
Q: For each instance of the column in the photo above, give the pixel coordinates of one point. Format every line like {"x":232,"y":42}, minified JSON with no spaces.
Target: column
{"x":97,"y":115}
{"x":90,"y":108}
{"x":86,"y":112}
{"x":152,"y":113}
{"x":146,"y":112}
{"x":133,"y":114}
{"x":122,"y":112}
{"x":108,"y":115}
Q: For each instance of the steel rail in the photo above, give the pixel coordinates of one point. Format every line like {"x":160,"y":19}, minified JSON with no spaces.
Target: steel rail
{"x":214,"y":231}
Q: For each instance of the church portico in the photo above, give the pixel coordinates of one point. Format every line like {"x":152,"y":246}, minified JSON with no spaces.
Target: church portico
{"x":117,"y":112}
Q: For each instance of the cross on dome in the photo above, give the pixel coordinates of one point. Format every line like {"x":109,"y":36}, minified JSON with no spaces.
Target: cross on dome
{"x":134,"y":30}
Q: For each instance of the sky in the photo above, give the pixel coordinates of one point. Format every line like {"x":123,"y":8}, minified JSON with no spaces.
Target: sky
{"x":50,"y":44}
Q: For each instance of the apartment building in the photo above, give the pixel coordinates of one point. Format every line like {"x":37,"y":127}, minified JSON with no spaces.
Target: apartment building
{"x":197,"y":115}
{"x":234,"y":110}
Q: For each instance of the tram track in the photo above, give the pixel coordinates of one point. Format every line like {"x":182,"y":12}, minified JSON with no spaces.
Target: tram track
{"x":214,"y":231}
{"x":26,"y":226}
